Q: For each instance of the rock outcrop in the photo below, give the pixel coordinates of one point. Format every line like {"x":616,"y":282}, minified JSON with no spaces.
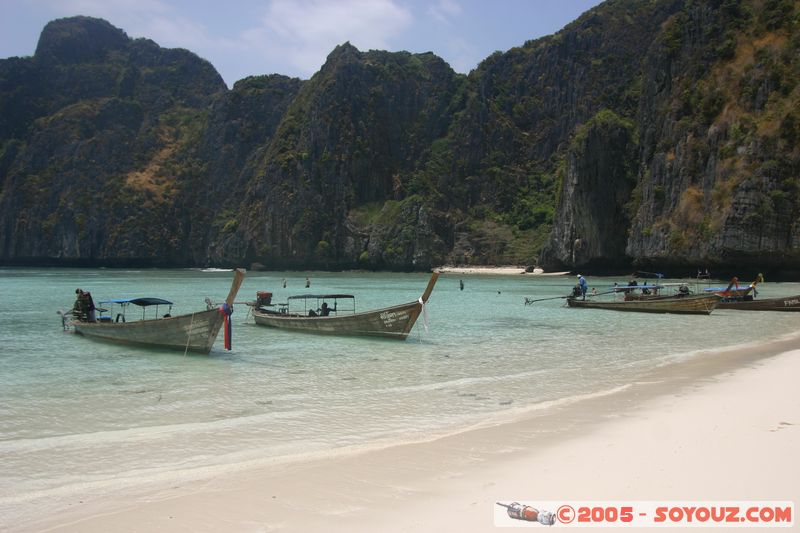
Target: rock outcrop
{"x":658,"y":135}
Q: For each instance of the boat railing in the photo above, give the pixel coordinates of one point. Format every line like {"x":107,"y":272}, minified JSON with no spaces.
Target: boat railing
{"x":652,"y":290}
{"x":315,"y":304}
{"x":148,"y":305}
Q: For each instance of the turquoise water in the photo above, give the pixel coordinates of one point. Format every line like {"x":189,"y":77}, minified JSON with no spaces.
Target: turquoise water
{"x":82,"y":416}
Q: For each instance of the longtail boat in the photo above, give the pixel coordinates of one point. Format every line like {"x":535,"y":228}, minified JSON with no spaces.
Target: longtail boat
{"x":393,"y":322}
{"x":789,"y":303}
{"x":734,"y":291}
{"x":691,"y":304}
{"x":194,"y":332}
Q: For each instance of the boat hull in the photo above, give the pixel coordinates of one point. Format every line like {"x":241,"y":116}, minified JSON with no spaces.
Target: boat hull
{"x":790,"y":303}
{"x":693,"y":305}
{"x":391,"y":322}
{"x":195,"y":332}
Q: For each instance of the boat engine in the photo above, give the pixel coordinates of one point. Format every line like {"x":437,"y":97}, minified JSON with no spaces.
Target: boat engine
{"x":263,"y":298}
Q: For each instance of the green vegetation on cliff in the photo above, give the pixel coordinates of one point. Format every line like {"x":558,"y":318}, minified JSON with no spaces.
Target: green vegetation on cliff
{"x":643,"y":132}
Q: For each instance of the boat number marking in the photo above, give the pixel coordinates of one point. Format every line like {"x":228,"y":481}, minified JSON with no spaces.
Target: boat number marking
{"x":391,"y":317}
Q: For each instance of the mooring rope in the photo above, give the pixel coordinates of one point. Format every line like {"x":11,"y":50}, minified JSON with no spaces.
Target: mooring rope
{"x":188,"y":336}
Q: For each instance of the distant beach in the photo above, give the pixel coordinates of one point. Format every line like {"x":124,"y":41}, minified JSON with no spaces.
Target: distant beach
{"x":500,"y":270}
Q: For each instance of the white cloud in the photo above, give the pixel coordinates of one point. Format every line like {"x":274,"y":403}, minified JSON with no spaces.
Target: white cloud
{"x":153,"y":19}
{"x":305,"y":31}
{"x":169,"y":25}
{"x":445,"y":10}
{"x":171,"y":31}
{"x":117,"y":10}
{"x":291,"y":36}
{"x":463,"y":55}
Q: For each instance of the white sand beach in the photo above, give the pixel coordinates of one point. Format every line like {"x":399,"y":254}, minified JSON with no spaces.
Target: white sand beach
{"x":725,"y":426}
{"x":498,"y":270}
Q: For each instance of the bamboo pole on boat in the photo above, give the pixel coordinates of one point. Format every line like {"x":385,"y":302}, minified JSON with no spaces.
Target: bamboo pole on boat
{"x":238,"y":278}
{"x":429,"y":288}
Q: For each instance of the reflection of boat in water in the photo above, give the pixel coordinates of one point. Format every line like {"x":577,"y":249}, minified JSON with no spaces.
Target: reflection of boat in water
{"x":690,"y":304}
{"x":394,"y":322}
{"x":194,"y":331}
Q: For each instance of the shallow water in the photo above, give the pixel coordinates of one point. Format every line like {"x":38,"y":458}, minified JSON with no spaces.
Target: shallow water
{"x":81,"y":415}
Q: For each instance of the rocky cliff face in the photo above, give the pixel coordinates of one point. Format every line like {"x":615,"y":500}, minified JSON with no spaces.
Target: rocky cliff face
{"x":719,"y":153}
{"x":662,"y":134}
{"x":241,"y":127}
{"x":716,"y":153}
{"x":93,"y":145}
{"x":352,"y":138}
{"x":592,"y":222}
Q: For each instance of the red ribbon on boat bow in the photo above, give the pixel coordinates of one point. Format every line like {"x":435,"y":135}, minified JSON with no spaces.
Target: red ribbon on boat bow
{"x":226,"y":311}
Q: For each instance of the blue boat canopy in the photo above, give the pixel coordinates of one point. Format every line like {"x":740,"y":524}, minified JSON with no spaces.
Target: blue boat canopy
{"x":141,"y":302}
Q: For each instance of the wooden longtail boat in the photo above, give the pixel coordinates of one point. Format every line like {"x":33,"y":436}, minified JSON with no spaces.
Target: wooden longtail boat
{"x":393,"y":322}
{"x":743,"y":298}
{"x":692,"y":304}
{"x":789,"y":303}
{"x":734,"y":291}
{"x":194,"y":331}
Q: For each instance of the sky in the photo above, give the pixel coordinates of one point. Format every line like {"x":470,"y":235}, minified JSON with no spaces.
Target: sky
{"x":293,"y":37}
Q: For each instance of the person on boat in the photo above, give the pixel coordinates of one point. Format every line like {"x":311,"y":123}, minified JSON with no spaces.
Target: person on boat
{"x":583,"y":285}
{"x":84,"y":306}
{"x":90,"y":308}
{"x":631,"y":283}
{"x":325,"y":310}
{"x":77,"y":307}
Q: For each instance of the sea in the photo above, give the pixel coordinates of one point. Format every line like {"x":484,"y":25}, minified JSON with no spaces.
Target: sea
{"x":80,"y":416}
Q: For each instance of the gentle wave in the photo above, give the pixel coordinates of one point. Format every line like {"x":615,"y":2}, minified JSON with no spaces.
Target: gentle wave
{"x":141,"y":434}
{"x":88,"y":415}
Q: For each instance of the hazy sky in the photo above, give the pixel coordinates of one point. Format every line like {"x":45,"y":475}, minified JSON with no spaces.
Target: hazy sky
{"x":293,"y":37}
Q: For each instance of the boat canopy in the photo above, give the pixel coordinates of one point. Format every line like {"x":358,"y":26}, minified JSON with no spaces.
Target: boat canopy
{"x":141,"y":302}
{"x":320,"y":296}
{"x":629,"y":287}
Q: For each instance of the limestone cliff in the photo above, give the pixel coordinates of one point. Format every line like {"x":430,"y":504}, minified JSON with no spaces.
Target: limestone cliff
{"x":716,"y":156}
{"x":659,"y":134}
{"x":95,"y":130}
